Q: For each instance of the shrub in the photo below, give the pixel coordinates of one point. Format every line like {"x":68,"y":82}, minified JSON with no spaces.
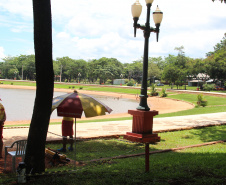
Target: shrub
{"x":201,"y":101}
{"x":109,"y":81}
{"x":11,"y":83}
{"x":130,"y":83}
{"x":126,"y":81}
{"x":208,"y":87}
{"x":80,"y":87}
{"x":163,"y":92}
{"x":154,"y":90}
{"x":200,"y":97}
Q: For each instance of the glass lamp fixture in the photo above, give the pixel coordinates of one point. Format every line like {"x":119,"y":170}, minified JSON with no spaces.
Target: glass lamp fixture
{"x":136,"y":11}
{"x":157,"y":17}
{"x":149,"y":1}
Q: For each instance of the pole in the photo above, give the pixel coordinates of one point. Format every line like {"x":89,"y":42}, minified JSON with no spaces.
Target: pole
{"x":75,"y":145}
{"x":146,"y":157}
{"x":143,"y":96}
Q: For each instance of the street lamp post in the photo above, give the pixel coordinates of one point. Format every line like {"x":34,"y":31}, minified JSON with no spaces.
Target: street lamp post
{"x":142,"y":128}
{"x":157,"y":16}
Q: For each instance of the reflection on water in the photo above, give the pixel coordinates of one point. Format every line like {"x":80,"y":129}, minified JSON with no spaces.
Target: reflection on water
{"x":19,"y":103}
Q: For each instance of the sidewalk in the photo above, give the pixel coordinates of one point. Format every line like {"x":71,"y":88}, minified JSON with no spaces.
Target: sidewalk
{"x":95,"y":129}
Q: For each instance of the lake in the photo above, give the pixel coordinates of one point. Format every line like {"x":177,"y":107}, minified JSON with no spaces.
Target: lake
{"x":19,"y":103}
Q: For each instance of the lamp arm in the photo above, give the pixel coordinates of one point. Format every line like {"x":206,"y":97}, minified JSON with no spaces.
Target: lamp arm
{"x":135,"y":25}
{"x":157,"y":31}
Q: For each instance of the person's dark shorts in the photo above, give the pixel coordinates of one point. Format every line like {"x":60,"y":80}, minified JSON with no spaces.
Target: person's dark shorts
{"x":67,"y":128}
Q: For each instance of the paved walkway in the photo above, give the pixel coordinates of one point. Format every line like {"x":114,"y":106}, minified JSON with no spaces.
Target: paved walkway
{"x":95,"y":129}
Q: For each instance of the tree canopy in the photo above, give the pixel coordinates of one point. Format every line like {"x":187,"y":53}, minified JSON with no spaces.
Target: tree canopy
{"x":221,"y":1}
{"x":171,"y":69}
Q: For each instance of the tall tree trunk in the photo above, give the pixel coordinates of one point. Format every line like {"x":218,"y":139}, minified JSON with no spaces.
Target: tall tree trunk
{"x":35,"y":153}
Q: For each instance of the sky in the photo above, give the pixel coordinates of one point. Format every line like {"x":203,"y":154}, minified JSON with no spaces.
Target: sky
{"x":91,"y":29}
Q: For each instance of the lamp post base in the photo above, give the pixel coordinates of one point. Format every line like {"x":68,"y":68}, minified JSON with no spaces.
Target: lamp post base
{"x":142,"y":121}
{"x":142,"y":131}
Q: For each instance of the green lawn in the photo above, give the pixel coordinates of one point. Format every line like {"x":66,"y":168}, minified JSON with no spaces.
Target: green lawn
{"x":193,"y":88}
{"x":200,"y":165}
{"x":192,"y":98}
{"x":102,"y":148}
{"x":215,"y":104}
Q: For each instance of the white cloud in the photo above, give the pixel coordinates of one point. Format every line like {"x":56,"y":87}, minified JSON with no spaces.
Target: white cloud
{"x":2,"y":55}
{"x":63,"y":35}
{"x":96,"y":28}
{"x":21,"y":8}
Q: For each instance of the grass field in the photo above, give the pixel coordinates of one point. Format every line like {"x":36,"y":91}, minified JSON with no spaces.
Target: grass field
{"x":200,"y":165}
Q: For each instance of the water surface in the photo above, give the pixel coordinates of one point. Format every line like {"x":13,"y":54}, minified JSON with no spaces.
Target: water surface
{"x":19,"y":103}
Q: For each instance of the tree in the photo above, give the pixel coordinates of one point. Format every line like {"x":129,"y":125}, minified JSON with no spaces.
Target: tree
{"x":221,"y":1}
{"x":28,"y":68}
{"x":170,"y":73}
{"x":153,"y":70}
{"x":35,"y":152}
{"x":134,"y":70}
{"x":104,"y":69}
{"x":216,"y":61}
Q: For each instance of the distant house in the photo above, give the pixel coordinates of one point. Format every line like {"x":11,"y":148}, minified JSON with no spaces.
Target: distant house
{"x":195,"y":83}
{"x":210,"y":81}
{"x":118,"y":81}
{"x":198,"y":80}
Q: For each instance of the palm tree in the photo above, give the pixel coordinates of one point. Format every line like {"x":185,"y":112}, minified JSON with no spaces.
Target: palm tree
{"x":35,"y":153}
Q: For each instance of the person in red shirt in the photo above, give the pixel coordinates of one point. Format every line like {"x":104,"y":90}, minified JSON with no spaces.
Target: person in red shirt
{"x":67,"y":130}
{"x":2,"y":121}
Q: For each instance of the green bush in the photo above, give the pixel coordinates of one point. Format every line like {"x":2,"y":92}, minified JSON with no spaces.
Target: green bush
{"x":130,"y":83}
{"x":208,"y":87}
{"x":154,"y":90}
{"x":126,"y":81}
{"x":80,"y":87}
{"x":163,"y":93}
{"x":201,"y":101}
{"x":109,"y":81}
{"x":200,"y":97}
